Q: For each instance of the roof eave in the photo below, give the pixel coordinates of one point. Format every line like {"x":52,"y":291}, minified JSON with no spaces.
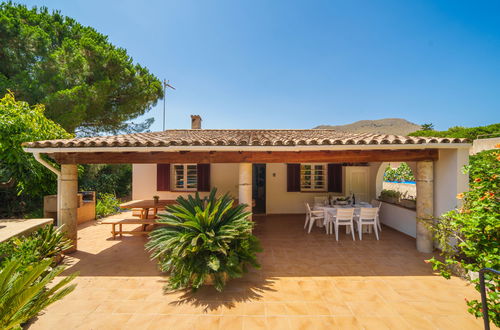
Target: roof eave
{"x":49,"y":150}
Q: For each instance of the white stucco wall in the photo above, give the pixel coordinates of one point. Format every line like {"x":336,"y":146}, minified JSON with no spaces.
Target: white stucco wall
{"x":222,"y":176}
{"x":278,"y":200}
{"x":449,"y":179}
{"x":399,"y":218}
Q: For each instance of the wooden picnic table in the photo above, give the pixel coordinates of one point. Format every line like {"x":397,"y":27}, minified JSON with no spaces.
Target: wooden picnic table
{"x":146,"y":205}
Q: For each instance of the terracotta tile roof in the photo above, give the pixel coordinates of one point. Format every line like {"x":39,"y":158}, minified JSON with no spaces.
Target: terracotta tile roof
{"x":239,"y":137}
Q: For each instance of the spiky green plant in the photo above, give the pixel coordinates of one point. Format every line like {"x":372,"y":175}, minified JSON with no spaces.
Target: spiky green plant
{"x":24,"y":292}
{"x":204,"y":240}
{"x":45,"y":242}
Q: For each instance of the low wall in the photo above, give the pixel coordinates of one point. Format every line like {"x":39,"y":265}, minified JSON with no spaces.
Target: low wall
{"x":409,"y":189}
{"x":20,"y":227}
{"x":484,"y":144}
{"x":399,"y":218}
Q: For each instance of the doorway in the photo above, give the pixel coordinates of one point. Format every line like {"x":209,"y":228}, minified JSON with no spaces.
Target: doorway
{"x":259,"y":188}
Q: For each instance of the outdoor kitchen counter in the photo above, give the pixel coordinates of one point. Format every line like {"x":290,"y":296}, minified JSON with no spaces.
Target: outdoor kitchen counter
{"x":15,"y":227}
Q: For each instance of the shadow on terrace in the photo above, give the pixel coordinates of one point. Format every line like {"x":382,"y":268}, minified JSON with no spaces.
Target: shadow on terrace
{"x":289,"y":252}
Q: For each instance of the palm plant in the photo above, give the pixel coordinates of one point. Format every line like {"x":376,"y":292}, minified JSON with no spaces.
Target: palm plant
{"x":45,"y":242}
{"x":24,"y":292}
{"x":204,"y":240}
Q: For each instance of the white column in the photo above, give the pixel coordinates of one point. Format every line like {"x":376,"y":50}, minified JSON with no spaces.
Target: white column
{"x":425,"y":205}
{"x":68,"y":197}
{"x":245,"y":185}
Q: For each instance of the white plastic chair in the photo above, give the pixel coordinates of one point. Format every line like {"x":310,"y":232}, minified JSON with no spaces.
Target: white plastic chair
{"x":329,"y":219}
{"x":367,"y":216}
{"x":344,"y":217}
{"x":377,"y":204}
{"x":312,"y":216}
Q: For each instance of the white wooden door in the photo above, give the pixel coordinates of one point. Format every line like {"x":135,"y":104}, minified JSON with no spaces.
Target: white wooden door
{"x":358,"y":182}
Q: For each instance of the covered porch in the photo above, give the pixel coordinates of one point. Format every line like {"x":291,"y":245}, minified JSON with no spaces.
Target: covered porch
{"x":181,"y":162}
{"x":306,"y":282}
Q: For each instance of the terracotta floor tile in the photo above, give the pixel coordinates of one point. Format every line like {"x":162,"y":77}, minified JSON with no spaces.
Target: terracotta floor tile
{"x":418,"y":322}
{"x":255,"y":309}
{"x":105,"y":321}
{"x":231,"y":322}
{"x":296,"y":308}
{"x":310,"y":322}
{"x":318,"y":309}
{"x":275,"y":309}
{"x":347,"y":322}
{"x":377,"y":322}
{"x":207,"y":322}
{"x":457,"y":322}
{"x":181,"y":322}
{"x":277,"y":322}
{"x":138,"y":321}
{"x":254,"y":322}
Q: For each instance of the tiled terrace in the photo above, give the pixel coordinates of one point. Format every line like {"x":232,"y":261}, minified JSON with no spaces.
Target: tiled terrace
{"x":306,"y":282}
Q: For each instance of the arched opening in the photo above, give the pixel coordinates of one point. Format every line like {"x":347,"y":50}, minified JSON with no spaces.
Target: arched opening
{"x":395,"y":183}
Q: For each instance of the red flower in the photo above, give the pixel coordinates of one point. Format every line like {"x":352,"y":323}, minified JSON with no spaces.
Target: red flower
{"x":477,"y":180}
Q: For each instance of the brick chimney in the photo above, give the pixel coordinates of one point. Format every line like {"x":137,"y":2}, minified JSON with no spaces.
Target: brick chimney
{"x":195,"y":122}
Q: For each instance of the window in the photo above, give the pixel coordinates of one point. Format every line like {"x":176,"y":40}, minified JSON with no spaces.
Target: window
{"x":185,"y":176}
{"x":313,"y":177}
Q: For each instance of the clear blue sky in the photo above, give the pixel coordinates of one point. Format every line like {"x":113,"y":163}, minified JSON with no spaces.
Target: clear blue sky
{"x":298,"y":64}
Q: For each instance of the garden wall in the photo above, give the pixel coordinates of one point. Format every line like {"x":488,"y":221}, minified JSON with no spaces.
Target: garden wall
{"x":399,"y":218}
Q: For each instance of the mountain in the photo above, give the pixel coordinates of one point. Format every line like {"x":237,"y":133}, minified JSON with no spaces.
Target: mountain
{"x":396,"y":126}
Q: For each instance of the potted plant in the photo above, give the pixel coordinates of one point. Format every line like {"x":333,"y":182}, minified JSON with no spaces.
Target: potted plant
{"x":156,"y":198}
{"x":205,"y":242}
{"x":342,"y":200}
{"x":390,"y":196}
{"x":408,"y":201}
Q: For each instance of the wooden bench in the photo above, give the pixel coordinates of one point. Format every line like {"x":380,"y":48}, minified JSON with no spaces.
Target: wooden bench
{"x":121,"y":222}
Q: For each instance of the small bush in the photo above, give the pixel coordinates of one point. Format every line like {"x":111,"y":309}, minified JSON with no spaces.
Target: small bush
{"x":390,"y":194}
{"x":45,"y":243}
{"x":25,"y":292}
{"x":107,"y":204}
{"x":205,"y":240}
{"x":27,"y":268}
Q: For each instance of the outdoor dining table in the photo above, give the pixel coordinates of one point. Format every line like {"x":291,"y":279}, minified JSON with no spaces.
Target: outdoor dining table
{"x":146,"y":205}
{"x":330,"y":210}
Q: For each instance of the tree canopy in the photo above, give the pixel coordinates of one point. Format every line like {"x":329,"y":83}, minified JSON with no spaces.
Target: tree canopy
{"x":470,"y":133}
{"x":87,"y":84}
{"x":19,"y":122}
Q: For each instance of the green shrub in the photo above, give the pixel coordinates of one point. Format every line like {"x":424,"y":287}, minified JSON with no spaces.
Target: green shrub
{"x":401,"y":174}
{"x":204,"y":240}
{"x":390,"y":193}
{"x":45,"y":243}
{"x":107,"y":204}
{"x":24,"y":292}
{"x":24,"y":180}
{"x":113,"y":179}
{"x":470,"y":236}
{"x":470,"y":133}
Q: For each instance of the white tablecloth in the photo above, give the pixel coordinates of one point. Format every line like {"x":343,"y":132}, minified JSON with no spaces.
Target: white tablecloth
{"x":330,"y":211}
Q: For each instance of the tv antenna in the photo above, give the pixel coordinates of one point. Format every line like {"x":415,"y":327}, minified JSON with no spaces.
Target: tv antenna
{"x":166,"y":83}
